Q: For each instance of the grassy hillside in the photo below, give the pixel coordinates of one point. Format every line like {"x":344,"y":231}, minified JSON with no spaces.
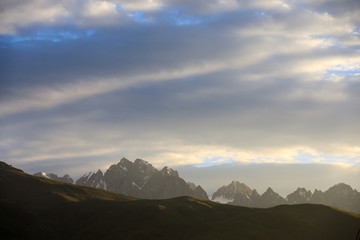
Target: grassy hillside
{"x":38,"y":208}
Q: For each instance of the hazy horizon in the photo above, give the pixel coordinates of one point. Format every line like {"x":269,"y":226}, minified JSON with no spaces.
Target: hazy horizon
{"x":194,"y":85}
{"x":282,"y":178}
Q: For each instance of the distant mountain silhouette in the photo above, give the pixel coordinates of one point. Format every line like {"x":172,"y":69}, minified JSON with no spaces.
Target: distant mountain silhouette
{"x":237,"y":193}
{"x":66,"y":178}
{"x":344,"y":197}
{"x":269,"y":199}
{"x":226,"y":194}
{"x":301,"y":195}
{"x":141,"y":179}
{"x":34,"y":207}
{"x":340,"y":196}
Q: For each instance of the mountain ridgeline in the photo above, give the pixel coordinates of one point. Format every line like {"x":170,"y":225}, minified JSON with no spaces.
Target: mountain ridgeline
{"x":340,"y":196}
{"x":33,"y":207}
{"x":66,"y":178}
{"x":141,"y":180}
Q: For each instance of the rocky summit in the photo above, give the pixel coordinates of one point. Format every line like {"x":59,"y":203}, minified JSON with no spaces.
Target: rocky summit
{"x":227,"y":194}
{"x":341,"y":196}
{"x":66,"y":178}
{"x":140,"y":179}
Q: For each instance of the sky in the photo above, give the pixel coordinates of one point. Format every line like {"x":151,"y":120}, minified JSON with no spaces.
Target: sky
{"x":187,"y":84}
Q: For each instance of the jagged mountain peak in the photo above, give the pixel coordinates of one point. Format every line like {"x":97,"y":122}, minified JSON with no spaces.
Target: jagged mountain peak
{"x":92,"y":179}
{"x":166,"y":171}
{"x":270,"y":193}
{"x":87,"y":174}
{"x":317,"y":197}
{"x":141,"y":179}
{"x":66,"y":178}
{"x":301,"y":195}
{"x":139,"y":161}
{"x":255,"y":192}
{"x":341,"y":187}
{"x":228,"y":193}
{"x":269,"y":190}
{"x":303,"y":192}
{"x":124,"y":160}
{"x":144,"y":167}
{"x":301,"y":189}
{"x":343,"y":196}
{"x":125,"y":163}
{"x":237,"y":187}
{"x":269,"y":199}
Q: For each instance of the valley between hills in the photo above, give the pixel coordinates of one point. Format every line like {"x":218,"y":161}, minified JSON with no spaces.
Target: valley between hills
{"x":35,"y":207}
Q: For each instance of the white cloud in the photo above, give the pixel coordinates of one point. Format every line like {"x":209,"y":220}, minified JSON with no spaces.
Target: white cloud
{"x":99,"y":8}
{"x":141,"y":5}
{"x":110,"y":12}
{"x":31,"y":12}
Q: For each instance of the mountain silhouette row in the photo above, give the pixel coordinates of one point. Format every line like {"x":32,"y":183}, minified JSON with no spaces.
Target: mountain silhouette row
{"x":137,"y":179}
{"x":141,"y":180}
{"x":35,"y":207}
{"x":340,"y":195}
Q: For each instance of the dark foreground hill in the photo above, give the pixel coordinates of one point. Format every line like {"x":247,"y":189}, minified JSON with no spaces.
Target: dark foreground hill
{"x":37,"y":208}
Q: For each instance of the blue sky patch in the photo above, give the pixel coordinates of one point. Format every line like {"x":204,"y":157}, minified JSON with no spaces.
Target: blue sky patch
{"x":138,"y":16}
{"x":47,"y":35}
{"x":343,"y":72}
{"x":176,"y":15}
{"x":118,"y":7}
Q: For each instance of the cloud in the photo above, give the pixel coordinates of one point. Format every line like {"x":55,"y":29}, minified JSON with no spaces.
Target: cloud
{"x":141,"y":5}
{"x":16,"y":14}
{"x":179,"y":82}
{"x":96,"y":9}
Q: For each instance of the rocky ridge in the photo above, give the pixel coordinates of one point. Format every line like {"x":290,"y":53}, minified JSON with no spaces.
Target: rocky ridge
{"x":340,"y":196}
{"x":66,"y":178}
{"x":140,"y":179}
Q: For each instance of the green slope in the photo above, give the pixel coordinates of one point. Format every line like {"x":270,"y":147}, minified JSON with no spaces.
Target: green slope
{"x":38,"y":208}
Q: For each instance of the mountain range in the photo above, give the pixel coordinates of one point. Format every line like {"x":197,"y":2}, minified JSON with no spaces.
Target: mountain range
{"x":33,"y":207}
{"x":340,"y":196}
{"x":141,"y":180}
{"x":66,"y":178}
{"x":137,"y":179}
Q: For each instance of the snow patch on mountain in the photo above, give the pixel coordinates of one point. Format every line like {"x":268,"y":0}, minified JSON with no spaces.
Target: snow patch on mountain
{"x":222,"y":199}
{"x":44,"y":175}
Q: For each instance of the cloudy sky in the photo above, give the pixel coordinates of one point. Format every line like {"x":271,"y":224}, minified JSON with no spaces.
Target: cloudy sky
{"x":179,"y":83}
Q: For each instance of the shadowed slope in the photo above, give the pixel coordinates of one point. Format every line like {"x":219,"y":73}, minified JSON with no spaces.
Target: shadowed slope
{"x":39,"y":208}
